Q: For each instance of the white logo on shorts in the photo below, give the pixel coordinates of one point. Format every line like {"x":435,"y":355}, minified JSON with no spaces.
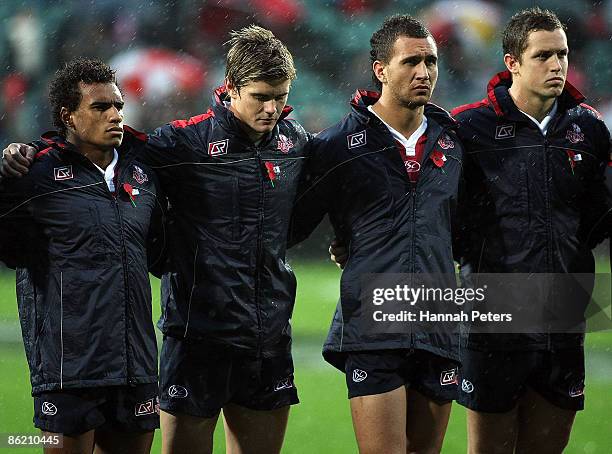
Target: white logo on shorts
{"x":48,"y":408}
{"x":177,"y":392}
{"x":448,"y":377}
{"x":359,"y":375}
{"x":284,"y":384}
{"x":577,"y":390}
{"x":467,"y":386}
{"x":145,"y":408}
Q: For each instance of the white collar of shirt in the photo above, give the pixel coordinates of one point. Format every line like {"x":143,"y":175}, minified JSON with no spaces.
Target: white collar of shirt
{"x":109,"y":172}
{"x":546,"y":120}
{"x":408,"y":143}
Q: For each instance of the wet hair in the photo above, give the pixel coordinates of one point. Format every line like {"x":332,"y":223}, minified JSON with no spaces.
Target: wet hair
{"x":516,"y":33}
{"x":255,"y":54}
{"x":64,"y":90}
{"x":383,"y":39}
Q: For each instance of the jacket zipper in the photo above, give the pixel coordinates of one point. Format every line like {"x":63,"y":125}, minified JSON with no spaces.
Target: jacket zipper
{"x":549,"y":235}
{"x":258,"y":261}
{"x":125,"y":273}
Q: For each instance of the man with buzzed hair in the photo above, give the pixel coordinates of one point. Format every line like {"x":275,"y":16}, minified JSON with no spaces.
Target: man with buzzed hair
{"x":536,"y":202}
{"x":388,"y":176}
{"x":227,"y":293}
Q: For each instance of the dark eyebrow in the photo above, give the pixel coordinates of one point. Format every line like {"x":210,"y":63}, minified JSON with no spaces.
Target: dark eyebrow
{"x":418,"y":58}
{"x":106,"y":104}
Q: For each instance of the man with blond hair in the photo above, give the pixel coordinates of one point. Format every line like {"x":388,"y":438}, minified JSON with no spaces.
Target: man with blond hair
{"x":227,"y":292}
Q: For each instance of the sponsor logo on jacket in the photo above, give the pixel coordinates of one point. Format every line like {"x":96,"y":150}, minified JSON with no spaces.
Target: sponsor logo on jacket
{"x":357,"y":139}
{"x":574,"y":134}
{"x":218,"y":148}
{"x":504,"y":131}
{"x":63,"y":173}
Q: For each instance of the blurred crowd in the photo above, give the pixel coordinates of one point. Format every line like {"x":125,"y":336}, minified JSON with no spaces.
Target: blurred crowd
{"x":169,"y":54}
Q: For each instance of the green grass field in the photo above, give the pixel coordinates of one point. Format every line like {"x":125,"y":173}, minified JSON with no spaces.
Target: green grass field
{"x":321,"y":422}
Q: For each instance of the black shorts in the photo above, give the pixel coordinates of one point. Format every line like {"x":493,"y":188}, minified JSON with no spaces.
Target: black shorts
{"x":381,"y":371}
{"x":492,"y":382}
{"x":117,"y":408}
{"x":197,"y":381}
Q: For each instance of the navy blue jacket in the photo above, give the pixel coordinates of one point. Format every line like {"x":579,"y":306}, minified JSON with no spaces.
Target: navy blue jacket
{"x":390,"y":225}
{"x":81,"y":258}
{"x":534,"y":203}
{"x":227,"y":281}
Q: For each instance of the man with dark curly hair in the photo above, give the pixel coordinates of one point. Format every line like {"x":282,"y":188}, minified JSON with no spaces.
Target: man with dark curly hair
{"x":86,"y":207}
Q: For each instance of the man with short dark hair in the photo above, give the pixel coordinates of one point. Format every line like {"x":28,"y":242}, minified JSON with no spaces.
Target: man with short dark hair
{"x":536,"y":202}
{"x":85,"y":210}
{"x":388,"y":176}
{"x":231,"y":175}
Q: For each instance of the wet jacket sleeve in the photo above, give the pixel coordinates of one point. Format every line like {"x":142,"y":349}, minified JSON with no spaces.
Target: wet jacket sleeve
{"x":16,"y":229}
{"x":312,"y":200}
{"x":596,"y":222}
{"x":171,"y":144}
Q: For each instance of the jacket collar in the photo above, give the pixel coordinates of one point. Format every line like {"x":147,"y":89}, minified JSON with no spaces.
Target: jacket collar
{"x":500,"y":99}
{"x":131,"y":137}
{"x":364,"y":98}
{"x":230,"y":122}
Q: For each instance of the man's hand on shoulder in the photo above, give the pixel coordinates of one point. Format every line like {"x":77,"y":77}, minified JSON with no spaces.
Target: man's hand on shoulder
{"x":16,"y":160}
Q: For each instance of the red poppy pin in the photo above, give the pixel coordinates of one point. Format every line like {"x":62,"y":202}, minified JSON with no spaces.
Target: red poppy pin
{"x":271,"y":172}
{"x":573,"y":157}
{"x":131,"y":192}
{"x":438,"y":158}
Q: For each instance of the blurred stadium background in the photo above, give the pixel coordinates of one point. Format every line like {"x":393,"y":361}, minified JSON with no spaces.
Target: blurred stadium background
{"x":169,"y":57}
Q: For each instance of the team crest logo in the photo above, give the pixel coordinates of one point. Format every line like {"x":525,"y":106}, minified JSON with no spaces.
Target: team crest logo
{"x":356,"y":140}
{"x":504,"y":131}
{"x":467,"y":386}
{"x":218,"y":148}
{"x":359,"y":375}
{"x":177,"y":392}
{"x":150,"y":407}
{"x":412,"y":166}
{"x":63,"y":173}
{"x":574,"y":134}
{"x":139,"y":175}
{"x":284,"y":143}
{"x":446,"y":142}
{"x":449,"y":377}
{"x":48,"y":409}
{"x":286,"y":383}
